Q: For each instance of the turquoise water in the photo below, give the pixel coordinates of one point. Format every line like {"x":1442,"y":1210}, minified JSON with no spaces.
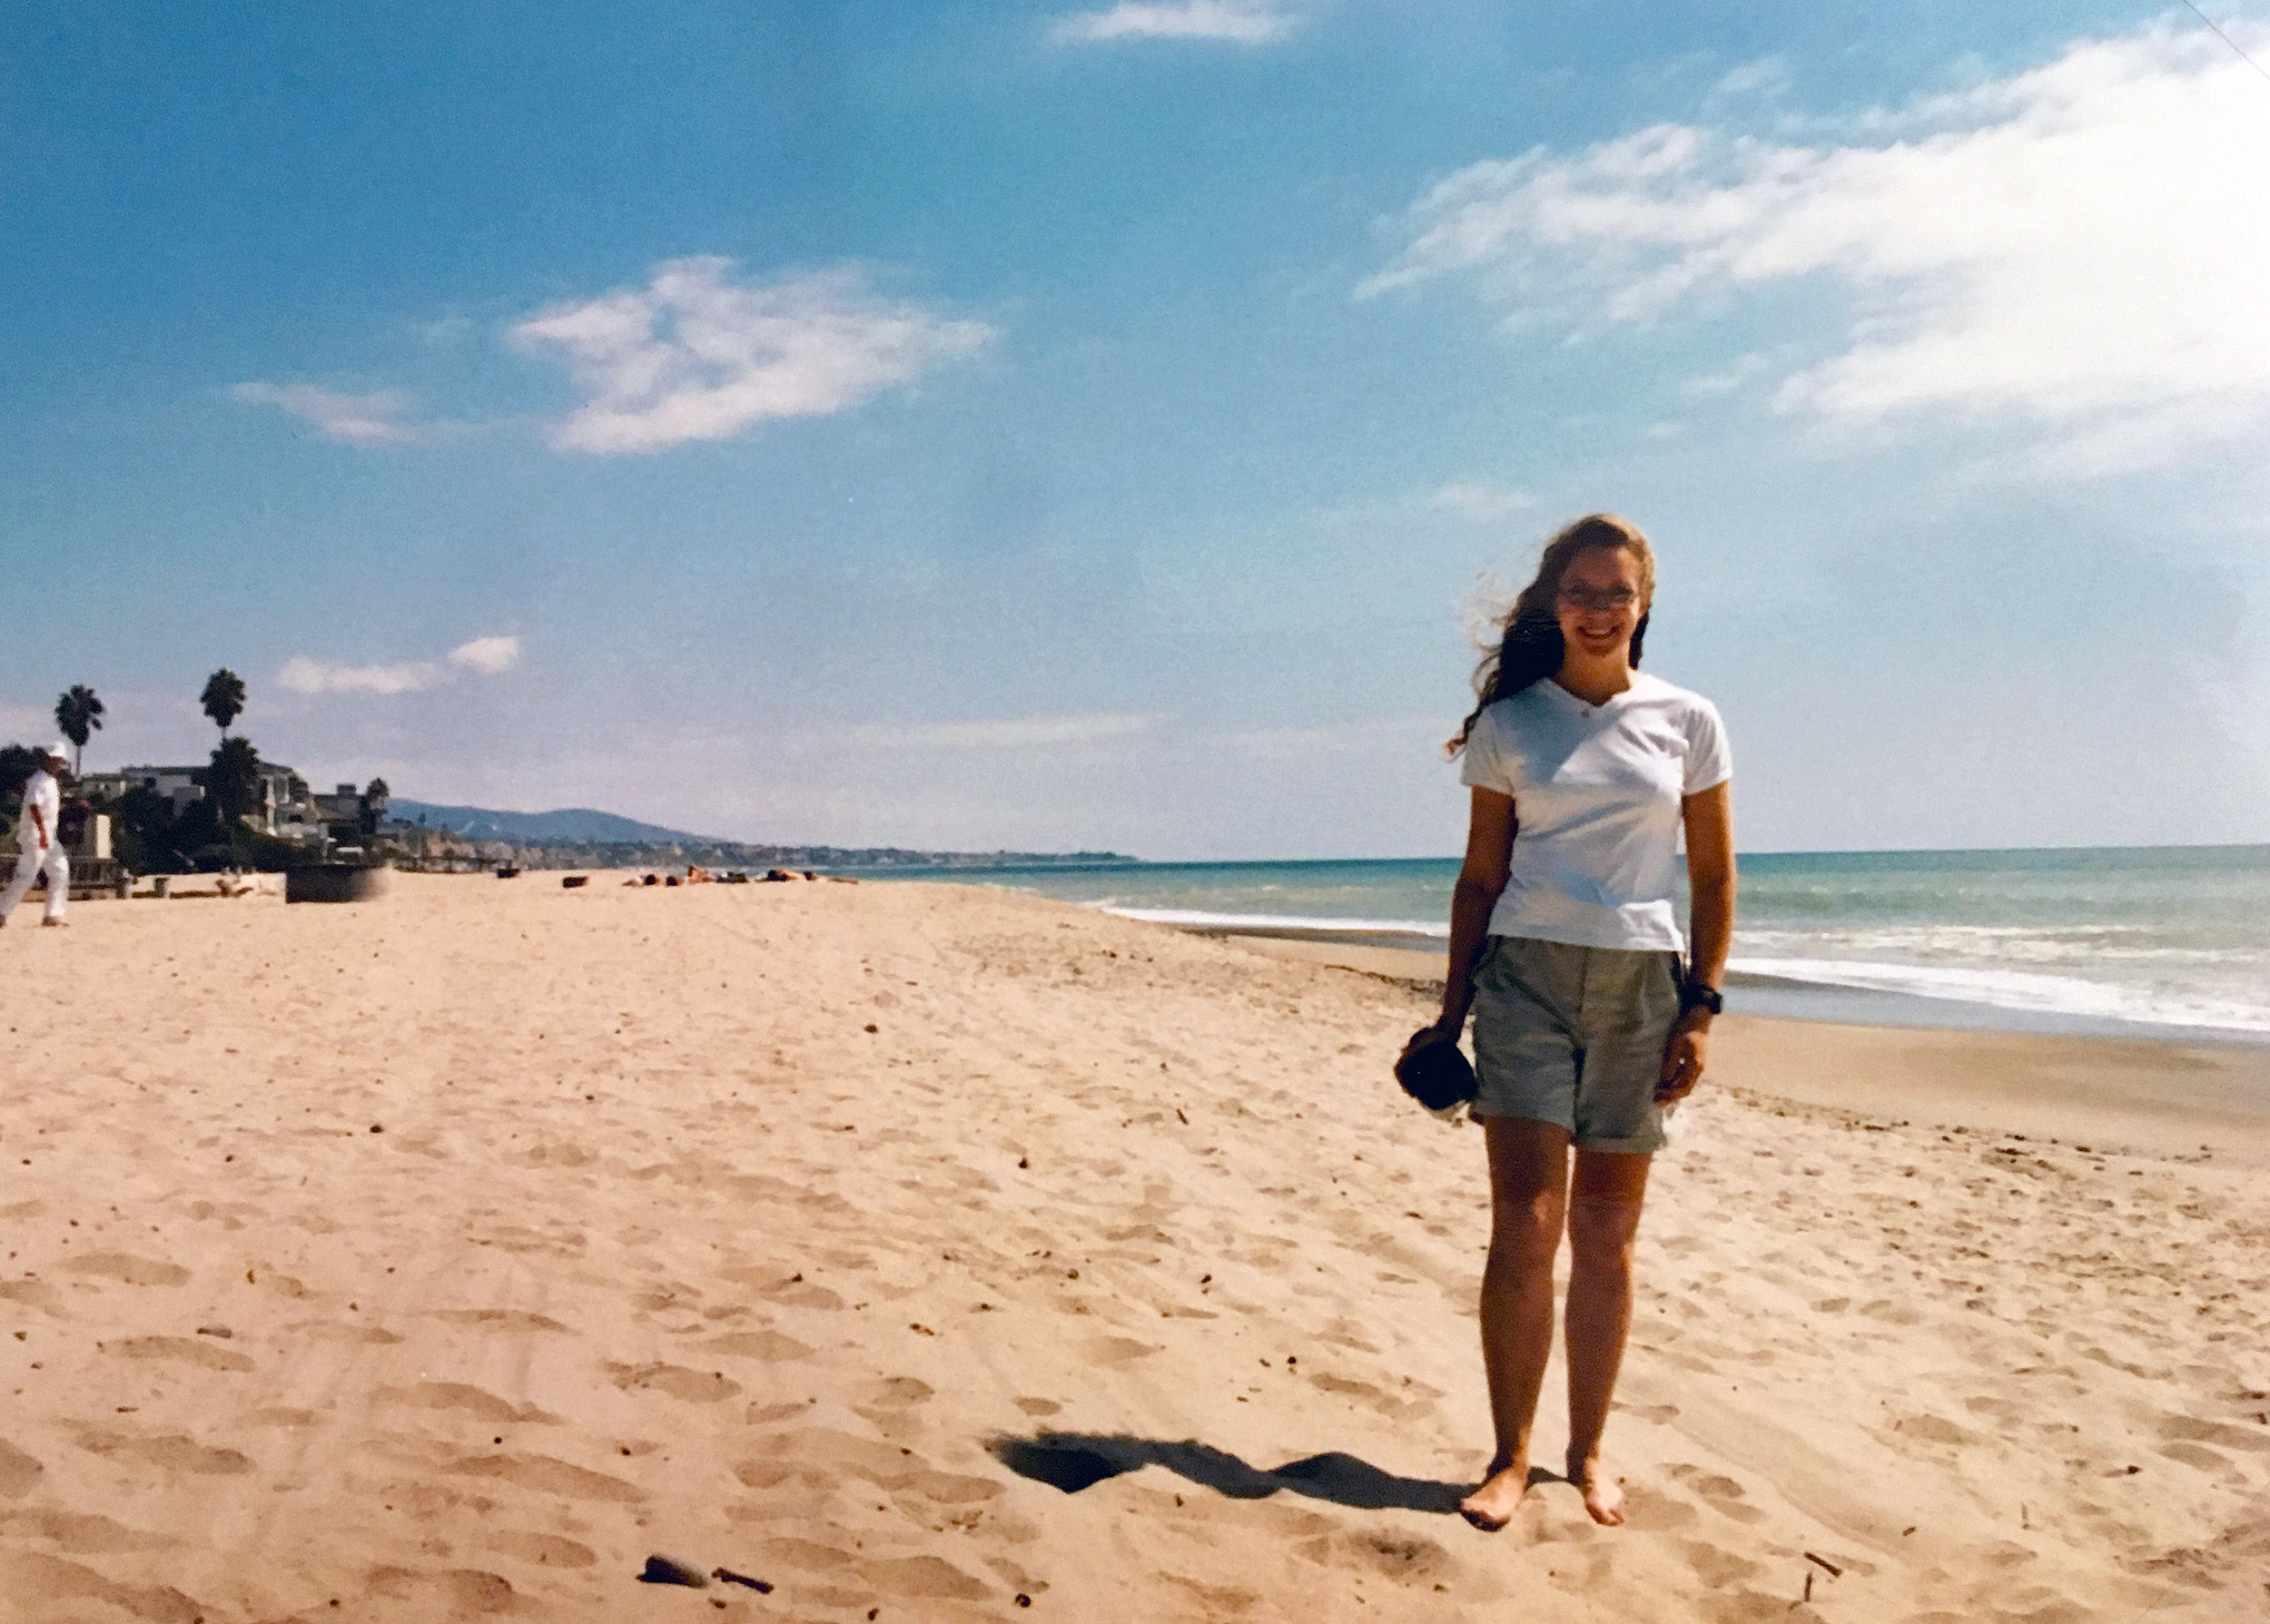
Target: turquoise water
{"x":2091,"y":939}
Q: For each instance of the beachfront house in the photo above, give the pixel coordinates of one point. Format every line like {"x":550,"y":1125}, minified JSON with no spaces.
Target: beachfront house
{"x":181,"y":785}
{"x":284,"y":806}
{"x":350,"y":818}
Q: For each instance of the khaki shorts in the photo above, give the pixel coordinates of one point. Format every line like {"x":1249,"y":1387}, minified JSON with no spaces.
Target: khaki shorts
{"x":1575,"y":1035}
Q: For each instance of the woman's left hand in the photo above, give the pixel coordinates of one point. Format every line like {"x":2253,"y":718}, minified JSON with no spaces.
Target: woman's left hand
{"x":1684,"y":1056}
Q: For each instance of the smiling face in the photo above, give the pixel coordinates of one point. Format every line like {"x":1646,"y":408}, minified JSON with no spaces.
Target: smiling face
{"x":1600,"y":601}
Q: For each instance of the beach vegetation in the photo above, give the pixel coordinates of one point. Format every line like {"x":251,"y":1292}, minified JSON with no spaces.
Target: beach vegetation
{"x":224,"y":698}
{"x":80,"y":715}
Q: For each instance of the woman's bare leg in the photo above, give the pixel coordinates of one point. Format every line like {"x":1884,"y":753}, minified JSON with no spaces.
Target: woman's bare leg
{"x":1603,"y":1222}
{"x":1528,"y":1207}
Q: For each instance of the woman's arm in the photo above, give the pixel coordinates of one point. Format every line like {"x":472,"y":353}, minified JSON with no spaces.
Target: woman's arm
{"x":1710,"y":828}
{"x":1490,"y":826}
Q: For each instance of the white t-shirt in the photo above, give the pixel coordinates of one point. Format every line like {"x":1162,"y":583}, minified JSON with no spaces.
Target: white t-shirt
{"x":39,"y":791}
{"x":1596,"y":792}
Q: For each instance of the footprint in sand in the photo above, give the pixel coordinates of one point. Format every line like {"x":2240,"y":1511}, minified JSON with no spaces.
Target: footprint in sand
{"x":545,"y":1475}
{"x":695,"y":1386}
{"x":272,"y":1280}
{"x":18,"y":1472}
{"x":894,"y":1406}
{"x":170,"y":1451}
{"x":1932,"y":1429}
{"x":2190,"y":1429}
{"x":925,"y":1577}
{"x":76,"y":1534}
{"x":458,"y":1395}
{"x":456,"y":1589}
{"x":1039,"y":1406}
{"x":801,"y":1292}
{"x":2200,"y":1456}
{"x":126,"y":1268}
{"x":1720,"y":1493}
{"x":1405,"y":1559}
{"x":1651,"y":1512}
{"x":51,"y":1579}
{"x":1716,"y":1566}
{"x":180,"y":1350}
{"x":545,"y":1551}
{"x":499,"y":1319}
{"x":770,"y":1346}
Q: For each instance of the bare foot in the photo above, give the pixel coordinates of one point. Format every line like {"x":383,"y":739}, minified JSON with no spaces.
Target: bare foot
{"x":1604,"y":1495}
{"x":55,"y":924}
{"x":1492,"y":1506}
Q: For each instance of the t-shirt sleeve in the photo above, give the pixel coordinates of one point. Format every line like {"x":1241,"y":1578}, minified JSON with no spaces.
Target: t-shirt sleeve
{"x":1710,"y":761}
{"x":1486,"y":764}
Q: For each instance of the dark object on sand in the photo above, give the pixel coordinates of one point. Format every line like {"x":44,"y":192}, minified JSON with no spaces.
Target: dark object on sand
{"x":1066,"y":1466}
{"x":671,"y":879}
{"x":334,"y":882}
{"x":573,"y":880}
{"x":508,"y":873}
{"x":662,"y":1570}
{"x":649,"y":879}
{"x":729,"y":1577}
{"x":1438,"y":1076}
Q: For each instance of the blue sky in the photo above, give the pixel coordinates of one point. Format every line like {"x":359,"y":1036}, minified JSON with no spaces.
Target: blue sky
{"x":1087,"y":424}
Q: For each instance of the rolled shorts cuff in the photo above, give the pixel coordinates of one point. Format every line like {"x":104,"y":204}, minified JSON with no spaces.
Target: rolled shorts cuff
{"x":1640,"y":1143}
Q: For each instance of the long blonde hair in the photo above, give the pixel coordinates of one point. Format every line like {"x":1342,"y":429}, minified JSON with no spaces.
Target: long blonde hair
{"x":1529,"y":645}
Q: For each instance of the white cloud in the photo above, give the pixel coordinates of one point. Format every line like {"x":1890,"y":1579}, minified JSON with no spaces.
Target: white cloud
{"x":1242,"y":22}
{"x":373,"y":420}
{"x":1478,"y":500}
{"x":2083,"y":246}
{"x":489,"y":656}
{"x":483,"y":657}
{"x":1018,"y":732}
{"x":303,"y":675}
{"x":692,"y":356}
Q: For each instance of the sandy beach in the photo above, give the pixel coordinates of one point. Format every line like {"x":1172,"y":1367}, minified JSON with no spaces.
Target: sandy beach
{"x":931,"y":1253}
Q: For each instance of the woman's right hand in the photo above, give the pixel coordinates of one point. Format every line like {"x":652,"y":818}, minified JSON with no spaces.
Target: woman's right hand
{"x":1444,"y":1031}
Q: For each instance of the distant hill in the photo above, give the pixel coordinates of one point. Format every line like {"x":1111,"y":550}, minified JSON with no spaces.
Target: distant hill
{"x":583,"y":836}
{"x":570,"y":824}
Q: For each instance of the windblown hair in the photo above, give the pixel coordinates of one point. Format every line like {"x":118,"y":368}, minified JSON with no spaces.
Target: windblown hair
{"x":1530,"y":645}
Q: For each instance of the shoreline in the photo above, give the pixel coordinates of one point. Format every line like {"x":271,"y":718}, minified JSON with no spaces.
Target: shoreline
{"x":2172,"y":1095}
{"x":1390,"y":954}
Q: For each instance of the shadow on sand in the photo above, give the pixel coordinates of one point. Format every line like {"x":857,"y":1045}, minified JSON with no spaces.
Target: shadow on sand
{"x":1075,"y":1460}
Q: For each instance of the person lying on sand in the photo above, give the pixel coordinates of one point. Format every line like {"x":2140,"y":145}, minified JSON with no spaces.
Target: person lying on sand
{"x":1565,"y":942}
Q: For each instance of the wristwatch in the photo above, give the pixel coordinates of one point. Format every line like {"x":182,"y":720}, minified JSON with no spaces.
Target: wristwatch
{"x":1695,"y":995}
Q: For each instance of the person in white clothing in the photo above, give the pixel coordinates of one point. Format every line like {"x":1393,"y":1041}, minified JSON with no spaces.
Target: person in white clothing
{"x":38,"y":843}
{"x":1591,"y":1010}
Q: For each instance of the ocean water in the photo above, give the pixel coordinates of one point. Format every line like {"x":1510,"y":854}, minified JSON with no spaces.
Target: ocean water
{"x":2148,"y":941}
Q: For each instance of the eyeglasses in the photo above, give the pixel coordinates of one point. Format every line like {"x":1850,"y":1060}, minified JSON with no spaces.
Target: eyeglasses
{"x":1585,"y":597}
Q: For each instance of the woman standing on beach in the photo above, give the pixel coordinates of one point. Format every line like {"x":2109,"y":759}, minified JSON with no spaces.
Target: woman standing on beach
{"x":1564,"y":941}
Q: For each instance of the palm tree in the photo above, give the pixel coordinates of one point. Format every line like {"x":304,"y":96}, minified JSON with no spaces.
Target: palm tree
{"x":233,"y":781}
{"x":224,"y":698}
{"x":80,"y":715}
